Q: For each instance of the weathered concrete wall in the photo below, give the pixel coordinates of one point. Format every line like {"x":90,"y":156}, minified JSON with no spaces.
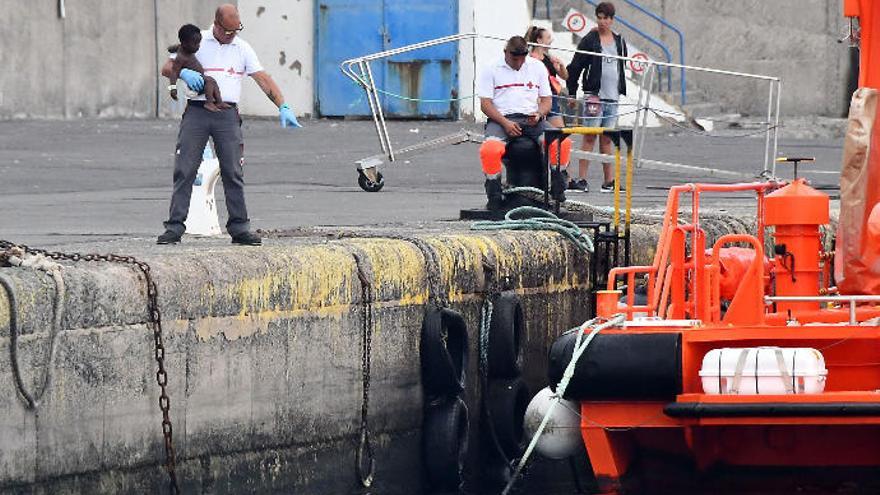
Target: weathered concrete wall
{"x":99,"y":61}
{"x":103,"y":58}
{"x":792,"y":39}
{"x":263,"y":355}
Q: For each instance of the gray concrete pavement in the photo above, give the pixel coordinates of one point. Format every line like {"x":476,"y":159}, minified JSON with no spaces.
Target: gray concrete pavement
{"x":88,"y":181}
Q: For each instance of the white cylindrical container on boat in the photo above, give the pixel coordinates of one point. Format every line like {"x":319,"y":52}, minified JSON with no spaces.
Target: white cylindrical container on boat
{"x":763,"y":371}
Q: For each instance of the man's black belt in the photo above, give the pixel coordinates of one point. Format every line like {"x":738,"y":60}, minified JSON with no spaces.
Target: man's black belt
{"x":201,"y":103}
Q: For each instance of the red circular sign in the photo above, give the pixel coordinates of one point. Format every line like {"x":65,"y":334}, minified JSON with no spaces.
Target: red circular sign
{"x":576,"y":22}
{"x":638,"y":67}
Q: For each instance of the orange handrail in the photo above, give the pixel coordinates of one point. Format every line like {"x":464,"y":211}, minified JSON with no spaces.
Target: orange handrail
{"x":670,"y":271}
{"x":747,"y":305}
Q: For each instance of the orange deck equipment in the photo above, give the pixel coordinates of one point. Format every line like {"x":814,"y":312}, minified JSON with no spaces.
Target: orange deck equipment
{"x":639,"y":383}
{"x":797,"y":210}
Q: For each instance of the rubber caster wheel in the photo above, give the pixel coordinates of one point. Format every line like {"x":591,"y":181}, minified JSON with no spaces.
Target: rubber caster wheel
{"x":368,"y":184}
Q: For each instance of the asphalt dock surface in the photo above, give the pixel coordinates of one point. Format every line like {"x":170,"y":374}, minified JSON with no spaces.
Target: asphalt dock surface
{"x":84,"y":182}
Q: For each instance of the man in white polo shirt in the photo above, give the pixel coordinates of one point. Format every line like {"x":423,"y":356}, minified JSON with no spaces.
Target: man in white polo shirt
{"x":227,"y":58}
{"x":515,"y":96}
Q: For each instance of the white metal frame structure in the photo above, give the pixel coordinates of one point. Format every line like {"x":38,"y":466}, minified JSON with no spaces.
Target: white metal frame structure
{"x":359,"y":70}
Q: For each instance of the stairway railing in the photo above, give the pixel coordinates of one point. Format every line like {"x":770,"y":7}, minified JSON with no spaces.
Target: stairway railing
{"x":651,"y":39}
{"x":535,"y":8}
{"x":678,"y":33}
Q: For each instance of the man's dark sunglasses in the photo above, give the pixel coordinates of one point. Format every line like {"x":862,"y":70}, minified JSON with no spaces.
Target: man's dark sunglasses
{"x":227,"y":32}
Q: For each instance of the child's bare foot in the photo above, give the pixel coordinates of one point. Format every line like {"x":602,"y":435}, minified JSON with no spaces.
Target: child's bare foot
{"x":211,"y":107}
{"x":223,"y":105}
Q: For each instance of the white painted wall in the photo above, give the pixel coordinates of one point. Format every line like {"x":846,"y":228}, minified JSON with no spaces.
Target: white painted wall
{"x":501,"y":18}
{"x":282,"y":33}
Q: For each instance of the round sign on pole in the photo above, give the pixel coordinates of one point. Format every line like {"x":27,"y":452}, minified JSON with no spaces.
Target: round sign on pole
{"x":638,"y":67}
{"x":576,"y":22}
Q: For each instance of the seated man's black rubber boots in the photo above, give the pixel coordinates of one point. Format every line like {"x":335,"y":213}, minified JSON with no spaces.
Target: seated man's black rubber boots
{"x":557,"y":184}
{"x":493,"y":193}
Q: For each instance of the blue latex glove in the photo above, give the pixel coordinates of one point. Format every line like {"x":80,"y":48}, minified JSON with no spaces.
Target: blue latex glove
{"x":193,"y":79}
{"x":287,"y":117}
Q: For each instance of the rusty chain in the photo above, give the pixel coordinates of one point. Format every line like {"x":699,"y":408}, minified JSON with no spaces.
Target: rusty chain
{"x":365,"y":448}
{"x":433,"y":277}
{"x":155,"y":321}
{"x":436,"y":295}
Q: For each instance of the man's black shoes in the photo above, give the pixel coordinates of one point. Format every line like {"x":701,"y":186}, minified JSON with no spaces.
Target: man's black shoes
{"x":169,"y":237}
{"x":247,"y":239}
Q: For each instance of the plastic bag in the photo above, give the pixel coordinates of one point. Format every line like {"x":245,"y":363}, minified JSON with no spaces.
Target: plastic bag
{"x":857,"y":255}
{"x":592,"y":106}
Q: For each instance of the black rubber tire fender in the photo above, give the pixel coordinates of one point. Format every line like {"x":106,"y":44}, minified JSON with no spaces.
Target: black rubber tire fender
{"x":508,"y":400}
{"x":506,"y":332}
{"x":622,"y":366}
{"x":444,"y":351}
{"x":445,"y":442}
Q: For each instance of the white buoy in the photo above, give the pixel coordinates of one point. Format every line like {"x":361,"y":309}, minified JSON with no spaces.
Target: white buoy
{"x":562,"y":436}
{"x":202,"y":217}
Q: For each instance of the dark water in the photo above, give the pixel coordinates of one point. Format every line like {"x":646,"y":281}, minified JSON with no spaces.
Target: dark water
{"x":669,"y":476}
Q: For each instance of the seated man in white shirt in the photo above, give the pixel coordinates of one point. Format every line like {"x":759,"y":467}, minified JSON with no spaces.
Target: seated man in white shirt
{"x":515,"y":96}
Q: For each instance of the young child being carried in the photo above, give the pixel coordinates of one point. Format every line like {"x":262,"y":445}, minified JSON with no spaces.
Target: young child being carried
{"x":190,"y":38}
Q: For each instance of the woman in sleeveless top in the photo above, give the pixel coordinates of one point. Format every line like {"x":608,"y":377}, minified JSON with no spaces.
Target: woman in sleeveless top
{"x":555,"y":68}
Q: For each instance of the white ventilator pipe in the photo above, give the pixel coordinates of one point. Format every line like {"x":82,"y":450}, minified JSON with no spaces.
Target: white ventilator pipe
{"x":202,"y":217}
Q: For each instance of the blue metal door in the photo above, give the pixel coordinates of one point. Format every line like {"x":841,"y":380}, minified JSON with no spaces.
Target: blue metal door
{"x":345,"y":29}
{"x":426,"y":74}
{"x":349,"y":28}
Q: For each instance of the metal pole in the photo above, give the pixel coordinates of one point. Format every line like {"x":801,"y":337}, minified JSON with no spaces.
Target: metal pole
{"x":776,"y":124}
{"x":637,"y":131}
{"x":641,"y":146}
{"x":852,"y":312}
{"x":381,"y":114}
{"x":683,"y":83}
{"x":831,"y":299}
{"x":767,"y":157}
{"x":366,"y":81}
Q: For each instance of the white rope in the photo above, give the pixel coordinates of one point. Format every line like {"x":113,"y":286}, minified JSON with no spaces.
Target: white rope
{"x":580,"y":348}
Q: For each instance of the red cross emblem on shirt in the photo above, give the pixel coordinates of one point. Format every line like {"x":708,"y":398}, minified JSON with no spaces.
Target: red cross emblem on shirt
{"x":231,"y":71}
{"x":530,"y":85}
